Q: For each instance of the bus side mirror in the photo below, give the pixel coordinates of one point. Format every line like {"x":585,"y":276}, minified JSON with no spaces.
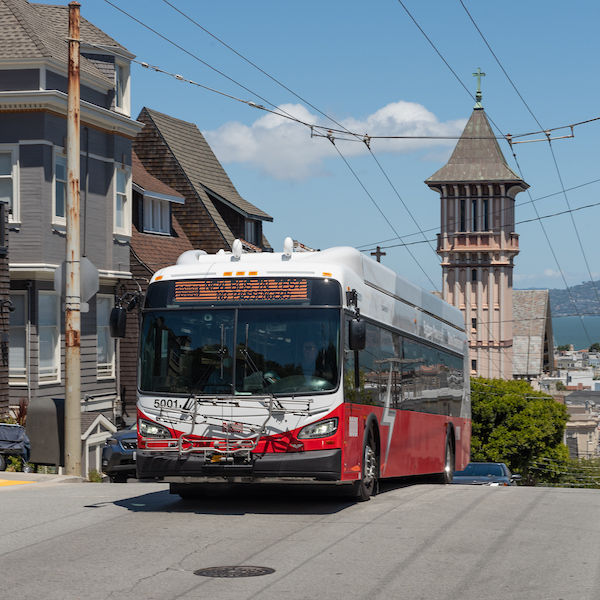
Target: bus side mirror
{"x":118,"y":322}
{"x":357,"y":335}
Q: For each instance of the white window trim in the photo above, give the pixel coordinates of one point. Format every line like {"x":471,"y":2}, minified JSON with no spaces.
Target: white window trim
{"x":105,"y":370}
{"x":126,"y":229}
{"x":22,"y":381}
{"x":61,"y":221}
{"x":57,"y":360}
{"x":15,"y":217}
{"x":150,"y":203}
{"x":126,"y":108}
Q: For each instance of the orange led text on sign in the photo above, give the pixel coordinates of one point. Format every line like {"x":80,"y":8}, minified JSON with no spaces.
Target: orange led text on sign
{"x":227,"y":290}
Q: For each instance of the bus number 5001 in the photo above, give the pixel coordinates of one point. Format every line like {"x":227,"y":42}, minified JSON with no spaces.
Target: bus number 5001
{"x":165,"y":403}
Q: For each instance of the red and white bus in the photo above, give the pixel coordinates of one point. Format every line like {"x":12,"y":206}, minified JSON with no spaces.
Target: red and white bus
{"x":316,"y":366}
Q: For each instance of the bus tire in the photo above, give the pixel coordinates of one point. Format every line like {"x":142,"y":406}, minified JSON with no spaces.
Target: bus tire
{"x":447,"y":474}
{"x":367,"y":485}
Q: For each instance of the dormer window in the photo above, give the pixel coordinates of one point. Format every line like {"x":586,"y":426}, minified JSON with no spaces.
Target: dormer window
{"x":157,"y":215}
{"x":252,"y":232}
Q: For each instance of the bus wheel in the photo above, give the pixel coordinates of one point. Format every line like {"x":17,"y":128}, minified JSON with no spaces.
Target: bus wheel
{"x":447,"y":475}
{"x":365,"y":488}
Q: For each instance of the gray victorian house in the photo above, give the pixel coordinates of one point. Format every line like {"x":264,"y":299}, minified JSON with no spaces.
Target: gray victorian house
{"x":33,"y":129}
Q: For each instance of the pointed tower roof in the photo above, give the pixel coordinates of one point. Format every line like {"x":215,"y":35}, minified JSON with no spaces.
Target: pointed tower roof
{"x":477,"y":157}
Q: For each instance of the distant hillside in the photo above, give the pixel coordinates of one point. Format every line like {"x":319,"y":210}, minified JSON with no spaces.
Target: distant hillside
{"x":584,"y":295}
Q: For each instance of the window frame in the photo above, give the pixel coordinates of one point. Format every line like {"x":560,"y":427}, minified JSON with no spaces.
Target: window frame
{"x":14,"y":214}
{"x":55,"y":376}
{"x":24,"y":378}
{"x":105,"y":373}
{"x":58,"y":154}
{"x":149,"y":207}
{"x":123,"y":99}
{"x":125,"y":229}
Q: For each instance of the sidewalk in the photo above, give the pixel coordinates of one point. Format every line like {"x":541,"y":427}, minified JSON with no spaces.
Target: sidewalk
{"x":11,"y":479}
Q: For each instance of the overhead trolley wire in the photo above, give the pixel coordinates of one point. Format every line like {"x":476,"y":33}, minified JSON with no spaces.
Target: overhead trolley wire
{"x":555,"y":165}
{"x":360,"y":138}
{"x":513,"y":152}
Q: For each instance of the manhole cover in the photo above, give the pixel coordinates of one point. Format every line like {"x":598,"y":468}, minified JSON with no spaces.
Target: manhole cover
{"x":234,"y":571}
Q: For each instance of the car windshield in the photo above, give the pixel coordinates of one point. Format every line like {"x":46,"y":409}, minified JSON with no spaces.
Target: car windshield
{"x":480,"y":470}
{"x":240,"y":351}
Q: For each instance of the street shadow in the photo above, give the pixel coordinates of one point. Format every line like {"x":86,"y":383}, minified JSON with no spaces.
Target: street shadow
{"x":259,"y":498}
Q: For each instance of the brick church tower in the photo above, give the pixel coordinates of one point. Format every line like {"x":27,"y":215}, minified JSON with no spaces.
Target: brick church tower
{"x":477,"y":242}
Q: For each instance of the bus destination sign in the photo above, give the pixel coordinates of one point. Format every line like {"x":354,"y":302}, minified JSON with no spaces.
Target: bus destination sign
{"x":241,"y":290}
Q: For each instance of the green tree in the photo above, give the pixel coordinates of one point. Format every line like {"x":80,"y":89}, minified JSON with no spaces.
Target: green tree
{"x":518,"y":426}
{"x":564,"y":348}
{"x":595,"y":347}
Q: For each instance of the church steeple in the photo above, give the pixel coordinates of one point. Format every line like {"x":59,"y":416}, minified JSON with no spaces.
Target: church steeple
{"x":477,"y":242}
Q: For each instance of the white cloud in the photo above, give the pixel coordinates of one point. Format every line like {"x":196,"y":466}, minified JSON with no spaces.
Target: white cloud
{"x":284,"y":149}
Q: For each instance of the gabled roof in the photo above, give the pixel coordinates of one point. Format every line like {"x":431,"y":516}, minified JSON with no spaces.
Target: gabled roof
{"x":39,"y":31}
{"x":532,"y":327}
{"x":477,"y":157}
{"x":201,"y":167}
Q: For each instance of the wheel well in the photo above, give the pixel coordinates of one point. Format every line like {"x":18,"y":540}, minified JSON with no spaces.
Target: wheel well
{"x":373,"y":424}
{"x":450,"y":437}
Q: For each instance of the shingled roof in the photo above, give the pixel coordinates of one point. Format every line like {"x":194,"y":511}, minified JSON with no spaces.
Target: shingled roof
{"x":39,"y":31}
{"x":151,"y":251}
{"x":151,"y":184}
{"x":532,"y":331}
{"x":477,"y":157}
{"x":200,"y":165}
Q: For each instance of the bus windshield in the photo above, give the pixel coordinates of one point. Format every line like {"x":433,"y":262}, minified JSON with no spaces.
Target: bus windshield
{"x":280,"y":351}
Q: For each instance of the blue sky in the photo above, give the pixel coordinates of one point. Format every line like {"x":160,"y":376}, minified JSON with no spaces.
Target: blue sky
{"x":369,"y":67}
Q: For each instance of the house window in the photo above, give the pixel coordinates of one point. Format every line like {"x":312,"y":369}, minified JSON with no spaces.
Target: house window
{"x":122,"y":102}
{"x":8,"y":178}
{"x":17,"y":350}
{"x":60,"y":189}
{"x":122,"y":204}
{"x":157,"y":216}
{"x":49,"y":336}
{"x":105,"y":344}
{"x":473,"y":365}
{"x":251,"y":232}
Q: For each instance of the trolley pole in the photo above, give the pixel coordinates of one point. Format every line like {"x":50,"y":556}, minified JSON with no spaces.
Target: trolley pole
{"x":73,"y":259}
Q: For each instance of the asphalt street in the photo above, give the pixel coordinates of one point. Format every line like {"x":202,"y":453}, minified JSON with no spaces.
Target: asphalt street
{"x":60,"y":539}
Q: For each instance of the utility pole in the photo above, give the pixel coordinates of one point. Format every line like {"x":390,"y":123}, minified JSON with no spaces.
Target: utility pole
{"x":73,"y":259}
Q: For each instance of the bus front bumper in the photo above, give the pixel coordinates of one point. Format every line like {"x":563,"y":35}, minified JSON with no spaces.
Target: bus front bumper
{"x":321,"y":465}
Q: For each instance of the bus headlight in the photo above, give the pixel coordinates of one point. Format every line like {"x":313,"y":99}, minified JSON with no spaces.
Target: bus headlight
{"x":148,"y":429}
{"x":320,"y":429}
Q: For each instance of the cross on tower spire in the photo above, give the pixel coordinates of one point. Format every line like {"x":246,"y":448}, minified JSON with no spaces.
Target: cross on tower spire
{"x":378,"y":254}
{"x":479,"y":75}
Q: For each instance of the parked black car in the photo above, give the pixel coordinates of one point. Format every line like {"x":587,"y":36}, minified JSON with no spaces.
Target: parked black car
{"x":486,"y":474}
{"x":119,"y":455}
